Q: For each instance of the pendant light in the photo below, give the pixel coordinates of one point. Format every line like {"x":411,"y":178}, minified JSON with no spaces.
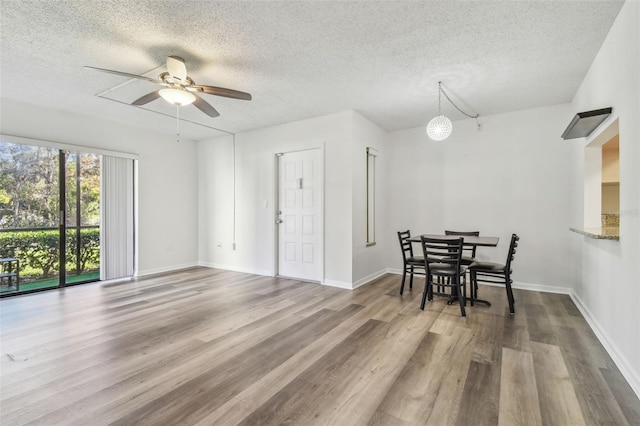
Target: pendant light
{"x":440,"y":127}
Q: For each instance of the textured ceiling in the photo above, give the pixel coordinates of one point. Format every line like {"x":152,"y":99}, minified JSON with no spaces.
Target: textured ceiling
{"x":301,"y":59}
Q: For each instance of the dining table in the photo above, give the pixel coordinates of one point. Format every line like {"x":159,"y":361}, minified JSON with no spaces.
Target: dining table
{"x":468,"y":241}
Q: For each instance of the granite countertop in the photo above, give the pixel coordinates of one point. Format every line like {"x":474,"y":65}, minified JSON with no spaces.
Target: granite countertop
{"x":612,"y":233}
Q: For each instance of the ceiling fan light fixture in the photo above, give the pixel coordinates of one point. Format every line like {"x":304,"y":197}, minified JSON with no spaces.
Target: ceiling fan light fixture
{"x":179,"y":89}
{"x":439,"y":128}
{"x":177,"y":96}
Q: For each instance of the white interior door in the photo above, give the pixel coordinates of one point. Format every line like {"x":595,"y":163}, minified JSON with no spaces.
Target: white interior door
{"x":300,"y":220}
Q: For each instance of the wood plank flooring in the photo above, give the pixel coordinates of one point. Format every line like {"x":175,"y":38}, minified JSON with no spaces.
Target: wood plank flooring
{"x":206,"y":347}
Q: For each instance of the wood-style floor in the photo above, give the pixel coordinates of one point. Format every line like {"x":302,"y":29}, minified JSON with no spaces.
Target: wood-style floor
{"x":207,"y":347}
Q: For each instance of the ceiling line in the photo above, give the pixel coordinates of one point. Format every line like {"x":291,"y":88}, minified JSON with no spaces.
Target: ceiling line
{"x":166,"y":115}
{"x":124,"y":83}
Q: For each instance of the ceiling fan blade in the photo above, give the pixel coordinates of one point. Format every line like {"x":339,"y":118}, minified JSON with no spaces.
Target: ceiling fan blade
{"x":176,"y":67}
{"x":204,"y":106}
{"x":124,"y":74}
{"x":221,"y":91}
{"x":146,"y":98}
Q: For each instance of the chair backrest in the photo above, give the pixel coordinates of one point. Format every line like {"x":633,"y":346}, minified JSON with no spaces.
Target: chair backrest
{"x":512,"y":252}
{"x":405,"y":244}
{"x":471,"y":250}
{"x":445,"y":250}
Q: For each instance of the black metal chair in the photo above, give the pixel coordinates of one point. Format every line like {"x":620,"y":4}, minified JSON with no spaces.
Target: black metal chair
{"x":470,"y":256}
{"x":495,"y":273}
{"x":412,"y":264}
{"x":468,"y":253}
{"x":445,"y":255}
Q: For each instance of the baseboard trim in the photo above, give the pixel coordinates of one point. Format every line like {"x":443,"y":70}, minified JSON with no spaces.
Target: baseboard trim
{"x":368,"y":279}
{"x":172,"y":268}
{"x":543,"y":288}
{"x":632,"y":378}
{"x":518,"y":285}
{"x":338,"y":284}
{"x":359,"y":283}
{"x":236,"y":268}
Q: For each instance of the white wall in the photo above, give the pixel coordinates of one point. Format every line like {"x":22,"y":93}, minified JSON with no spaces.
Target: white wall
{"x":608,"y":287}
{"x":255,"y":184}
{"x":510,"y":177}
{"x":167,"y":185}
{"x":368,"y":262}
{"x":414,"y":187}
{"x":215,"y":201}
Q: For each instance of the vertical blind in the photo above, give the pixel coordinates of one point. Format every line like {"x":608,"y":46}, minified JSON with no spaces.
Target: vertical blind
{"x":116,"y":230}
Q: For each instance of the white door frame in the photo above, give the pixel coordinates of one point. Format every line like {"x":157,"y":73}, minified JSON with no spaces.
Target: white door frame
{"x":276,"y":205}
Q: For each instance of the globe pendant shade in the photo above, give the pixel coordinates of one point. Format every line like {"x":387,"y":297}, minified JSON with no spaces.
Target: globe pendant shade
{"x":439,"y":128}
{"x":177,"y":96}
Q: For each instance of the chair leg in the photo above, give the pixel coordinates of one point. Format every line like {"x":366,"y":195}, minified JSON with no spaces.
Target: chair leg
{"x":411,"y":280}
{"x":464,"y":289}
{"x":472,"y":278}
{"x":460,"y":297}
{"x":427,"y":289}
{"x":475,"y":288}
{"x":404,"y":275}
{"x":508,"y":282}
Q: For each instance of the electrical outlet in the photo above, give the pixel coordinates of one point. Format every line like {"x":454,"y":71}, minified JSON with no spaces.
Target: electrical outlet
{"x":169,"y":245}
{"x":233,"y":246}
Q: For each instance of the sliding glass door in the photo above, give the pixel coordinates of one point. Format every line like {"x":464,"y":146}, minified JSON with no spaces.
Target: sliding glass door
{"x":82,"y":217}
{"x":49,"y":218}
{"x":29,"y":218}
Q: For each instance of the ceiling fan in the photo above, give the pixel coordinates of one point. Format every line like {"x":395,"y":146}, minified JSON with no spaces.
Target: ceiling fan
{"x":179,"y":88}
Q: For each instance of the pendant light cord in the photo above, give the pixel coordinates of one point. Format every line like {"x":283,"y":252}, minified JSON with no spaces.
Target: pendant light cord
{"x":441,"y":91}
{"x":440,"y":98}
